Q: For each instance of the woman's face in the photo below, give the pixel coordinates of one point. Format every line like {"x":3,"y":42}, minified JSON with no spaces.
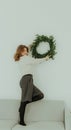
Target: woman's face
{"x":24,"y":52}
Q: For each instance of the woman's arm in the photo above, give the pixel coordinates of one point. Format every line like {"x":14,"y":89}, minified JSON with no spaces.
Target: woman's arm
{"x":39,"y":60}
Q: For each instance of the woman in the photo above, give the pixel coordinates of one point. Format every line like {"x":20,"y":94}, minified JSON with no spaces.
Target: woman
{"x":30,"y":92}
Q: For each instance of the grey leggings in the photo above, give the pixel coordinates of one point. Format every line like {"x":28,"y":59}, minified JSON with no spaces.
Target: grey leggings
{"x":29,"y":91}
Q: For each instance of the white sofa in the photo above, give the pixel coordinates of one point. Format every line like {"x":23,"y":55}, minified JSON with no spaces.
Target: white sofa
{"x":39,"y":115}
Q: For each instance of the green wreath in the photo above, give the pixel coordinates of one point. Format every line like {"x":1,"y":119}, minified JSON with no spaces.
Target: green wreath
{"x":37,"y":41}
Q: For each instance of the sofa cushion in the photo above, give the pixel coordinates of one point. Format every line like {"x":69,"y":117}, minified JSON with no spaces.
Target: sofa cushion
{"x":7,"y":124}
{"x":35,"y":111}
{"x":43,"y":125}
{"x":44,"y":110}
{"x":9,"y":109}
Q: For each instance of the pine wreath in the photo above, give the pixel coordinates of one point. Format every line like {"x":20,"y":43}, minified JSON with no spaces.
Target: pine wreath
{"x":38,"y":40}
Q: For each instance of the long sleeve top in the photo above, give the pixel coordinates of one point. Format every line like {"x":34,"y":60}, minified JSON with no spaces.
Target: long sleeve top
{"x":27,"y":64}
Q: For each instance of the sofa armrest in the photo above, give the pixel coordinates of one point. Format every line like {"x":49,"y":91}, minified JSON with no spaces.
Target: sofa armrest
{"x":67,"y":119}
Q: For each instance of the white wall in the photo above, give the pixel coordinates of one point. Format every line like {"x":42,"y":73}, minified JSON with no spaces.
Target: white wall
{"x":20,"y":20}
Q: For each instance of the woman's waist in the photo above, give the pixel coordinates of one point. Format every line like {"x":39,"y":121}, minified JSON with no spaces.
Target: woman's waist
{"x":29,"y":74}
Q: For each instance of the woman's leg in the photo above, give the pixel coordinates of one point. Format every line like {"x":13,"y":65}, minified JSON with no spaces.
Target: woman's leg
{"x":26,"y":84}
{"x":22,"y":112}
{"x":37,"y":94}
{"x":38,"y":97}
{"x":26,"y":88}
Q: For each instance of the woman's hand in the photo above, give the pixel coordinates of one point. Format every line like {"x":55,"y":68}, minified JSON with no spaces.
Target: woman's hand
{"x":47,"y":57}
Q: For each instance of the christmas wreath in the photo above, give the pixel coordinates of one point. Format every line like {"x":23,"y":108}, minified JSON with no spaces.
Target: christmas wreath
{"x":38,"y":40}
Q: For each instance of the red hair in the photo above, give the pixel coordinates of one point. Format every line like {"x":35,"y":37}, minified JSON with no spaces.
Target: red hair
{"x":19,"y":49}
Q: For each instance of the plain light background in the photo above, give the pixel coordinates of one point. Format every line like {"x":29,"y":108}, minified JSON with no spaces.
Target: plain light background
{"x":20,"y":21}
